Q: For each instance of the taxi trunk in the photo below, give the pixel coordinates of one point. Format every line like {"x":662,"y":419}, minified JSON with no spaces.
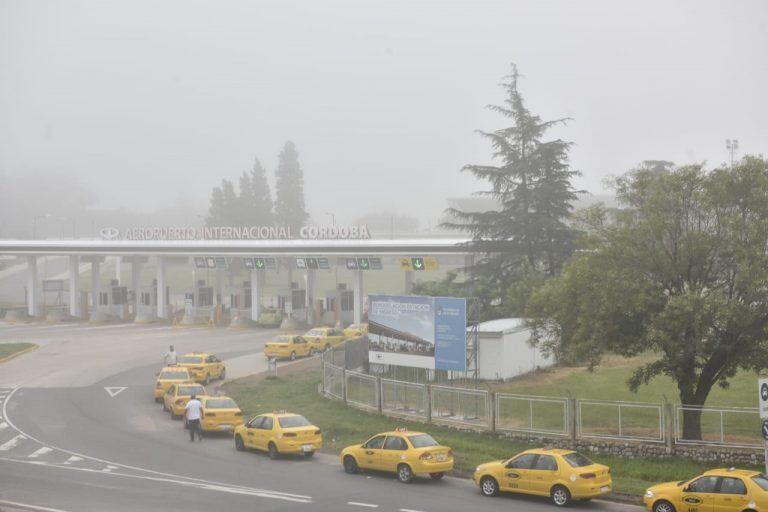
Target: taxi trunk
{"x":277,"y":350}
{"x":434,"y":459}
{"x":300,"y":439}
{"x":592,"y":481}
{"x":221,"y":420}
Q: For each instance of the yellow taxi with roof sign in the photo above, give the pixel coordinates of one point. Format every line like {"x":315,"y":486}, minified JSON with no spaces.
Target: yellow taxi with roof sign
{"x":356,"y":330}
{"x":323,"y":338}
{"x":203,"y":366}
{"x":287,"y":346}
{"x":562,"y":475}
{"x":167,"y":377}
{"x":219,"y":414}
{"x":718,"y":490}
{"x":278,"y":433}
{"x":404,"y":453}
{"x":176,"y":398}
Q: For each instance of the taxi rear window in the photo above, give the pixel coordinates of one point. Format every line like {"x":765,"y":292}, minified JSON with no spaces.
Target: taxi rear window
{"x":293,"y":421}
{"x":190,"y":360}
{"x":577,"y":460}
{"x":220,"y":403}
{"x":283,"y":339}
{"x":191,"y":390}
{"x":315,"y":332}
{"x":761,"y":480}
{"x":174,"y":375}
{"x":423,"y":441}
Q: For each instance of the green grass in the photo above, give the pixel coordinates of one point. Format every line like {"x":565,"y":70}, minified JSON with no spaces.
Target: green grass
{"x":343,"y":426}
{"x":9,"y":349}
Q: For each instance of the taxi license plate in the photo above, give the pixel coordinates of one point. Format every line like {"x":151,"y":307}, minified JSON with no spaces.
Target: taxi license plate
{"x":441,"y":457}
{"x":225,"y":427}
{"x":605,"y":488}
{"x":306,"y":447}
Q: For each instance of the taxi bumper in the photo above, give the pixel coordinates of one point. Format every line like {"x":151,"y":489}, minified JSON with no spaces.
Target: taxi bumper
{"x":290,"y":446}
{"x":220,"y":425}
{"x":591,"y":491}
{"x":433,"y":466}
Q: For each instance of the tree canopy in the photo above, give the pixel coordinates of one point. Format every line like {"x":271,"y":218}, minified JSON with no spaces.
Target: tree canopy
{"x":289,"y":189}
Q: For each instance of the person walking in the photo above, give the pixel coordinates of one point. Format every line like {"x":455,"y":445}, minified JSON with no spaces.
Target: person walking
{"x":193,"y":411}
{"x":170,"y":358}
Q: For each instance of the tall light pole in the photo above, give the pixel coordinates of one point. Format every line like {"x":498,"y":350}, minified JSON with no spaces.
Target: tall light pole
{"x":732,"y":146}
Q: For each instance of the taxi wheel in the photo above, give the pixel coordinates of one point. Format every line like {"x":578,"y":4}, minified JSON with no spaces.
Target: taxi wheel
{"x":223,"y":374}
{"x":663,"y":506}
{"x":561,"y":496}
{"x":404,"y":473}
{"x":158,"y":400}
{"x":272,"y":451}
{"x":165,"y":407}
{"x":293,"y":356}
{"x":207,"y":379}
{"x":350,"y":465}
{"x":309,"y":455}
{"x":239,"y":445}
{"x":489,"y":486}
{"x":436,"y":476}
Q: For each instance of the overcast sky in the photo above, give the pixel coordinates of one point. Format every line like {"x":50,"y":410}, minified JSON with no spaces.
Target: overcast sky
{"x":147,"y":101}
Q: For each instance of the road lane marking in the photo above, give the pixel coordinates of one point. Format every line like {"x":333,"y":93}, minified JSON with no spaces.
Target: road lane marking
{"x":358,"y":504}
{"x":42,"y":451}
{"x":188,"y":480}
{"x":32,"y":507}
{"x":115,"y":390}
{"x":409,"y":510}
{"x":3,"y":425}
{"x":72,"y":459}
{"x":12,"y":443}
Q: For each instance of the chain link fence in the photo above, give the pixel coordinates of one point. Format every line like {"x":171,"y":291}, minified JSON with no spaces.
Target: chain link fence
{"x":460,"y":406}
{"x":637,"y":421}
{"x":737,"y":427}
{"x":362,"y":390}
{"x":405,"y":399}
{"x":333,"y":381}
{"x":535,"y":414}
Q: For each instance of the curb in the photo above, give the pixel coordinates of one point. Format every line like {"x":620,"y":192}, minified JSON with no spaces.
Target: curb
{"x":19,"y":353}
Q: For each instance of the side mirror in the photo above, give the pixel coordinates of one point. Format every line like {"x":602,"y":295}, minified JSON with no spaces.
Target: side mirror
{"x":686,"y":489}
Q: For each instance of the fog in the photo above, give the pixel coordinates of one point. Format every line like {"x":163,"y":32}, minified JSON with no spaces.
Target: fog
{"x":151,"y":104}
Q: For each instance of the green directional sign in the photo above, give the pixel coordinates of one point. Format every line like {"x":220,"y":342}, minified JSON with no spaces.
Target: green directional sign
{"x":259,"y":262}
{"x":417,"y":263}
{"x":363,"y":263}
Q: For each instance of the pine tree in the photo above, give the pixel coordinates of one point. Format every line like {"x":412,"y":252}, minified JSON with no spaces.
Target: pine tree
{"x":230,"y":203}
{"x":216,"y":211}
{"x":533,"y":190}
{"x":289,"y":190}
{"x":261,"y":208}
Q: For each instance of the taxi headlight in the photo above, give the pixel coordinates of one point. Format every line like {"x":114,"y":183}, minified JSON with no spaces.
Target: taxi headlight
{"x":477,"y":469}
{"x":649,"y":493}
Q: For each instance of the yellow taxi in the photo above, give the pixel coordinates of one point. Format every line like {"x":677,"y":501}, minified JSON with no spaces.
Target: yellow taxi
{"x":220,"y":414}
{"x":563,"y":475}
{"x":356,"y":330}
{"x":279,"y":432}
{"x":323,"y":338}
{"x":287,"y":346}
{"x":404,"y":453}
{"x":167,"y":377}
{"x":203,"y":366}
{"x":176,"y":398}
{"x":719,"y":490}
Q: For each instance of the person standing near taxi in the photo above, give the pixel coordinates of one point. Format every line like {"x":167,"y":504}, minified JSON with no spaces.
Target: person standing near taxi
{"x":193,"y":411}
{"x":170,"y":358}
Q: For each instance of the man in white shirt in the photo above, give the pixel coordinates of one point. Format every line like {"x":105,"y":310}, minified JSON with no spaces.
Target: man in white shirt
{"x":170,"y":357}
{"x":193,"y":411}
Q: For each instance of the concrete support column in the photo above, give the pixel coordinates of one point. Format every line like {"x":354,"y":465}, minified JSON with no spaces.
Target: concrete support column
{"x":408,"y":282}
{"x":162,"y":296}
{"x":257,"y":278}
{"x":310,"y":296}
{"x":95,"y":282}
{"x":289,"y":273}
{"x":118,"y":268}
{"x":358,"y":298}
{"x":219,"y":290}
{"x":74,"y":286}
{"x":32,"y":288}
{"x":135,"y":280}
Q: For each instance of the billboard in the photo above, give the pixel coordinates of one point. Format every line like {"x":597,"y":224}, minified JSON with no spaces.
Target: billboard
{"x":422,"y":332}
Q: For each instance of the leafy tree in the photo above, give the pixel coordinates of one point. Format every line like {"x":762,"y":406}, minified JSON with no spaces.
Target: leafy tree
{"x":289,"y":189}
{"x":683,"y":272}
{"x":532,"y":186}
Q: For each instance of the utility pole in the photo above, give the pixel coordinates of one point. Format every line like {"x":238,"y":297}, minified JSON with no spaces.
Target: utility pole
{"x":732,"y":146}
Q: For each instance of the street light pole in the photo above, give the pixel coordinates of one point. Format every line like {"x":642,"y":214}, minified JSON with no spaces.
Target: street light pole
{"x":732,"y":146}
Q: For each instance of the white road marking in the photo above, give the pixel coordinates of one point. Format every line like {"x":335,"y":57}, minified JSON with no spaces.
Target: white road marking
{"x":31,"y":507}
{"x":72,"y":459}
{"x":41,"y":451}
{"x":12,"y":443}
{"x":358,"y":504}
{"x":3,"y":425}
{"x":409,"y":510}
{"x":114,"y":391}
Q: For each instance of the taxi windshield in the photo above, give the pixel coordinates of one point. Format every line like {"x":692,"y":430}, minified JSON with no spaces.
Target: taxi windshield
{"x":220,"y":403}
{"x":577,"y":460}
{"x":761,"y":480}
{"x":174,"y":375}
{"x":293,"y":421}
{"x":191,"y":390}
{"x":423,"y":441}
{"x":283,"y":339}
{"x":190,"y":360}
{"x":354,"y":326}
{"x":315,"y":332}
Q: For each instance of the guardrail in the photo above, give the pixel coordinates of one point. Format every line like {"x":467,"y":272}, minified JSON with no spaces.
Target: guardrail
{"x":534,"y":414}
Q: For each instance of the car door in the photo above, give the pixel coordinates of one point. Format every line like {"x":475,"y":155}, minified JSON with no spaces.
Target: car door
{"x":264,"y":432}
{"x":251,"y":430}
{"x":169,"y":395}
{"x":371,"y":456}
{"x":392,"y":452}
{"x":516,"y":476}
{"x":542,"y":474}
{"x":699,"y":495}
{"x":302,"y":347}
{"x":338,"y":336}
{"x":732,"y":495}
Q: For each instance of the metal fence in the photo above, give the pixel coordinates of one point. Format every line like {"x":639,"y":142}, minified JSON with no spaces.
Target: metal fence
{"x":638,"y":421}
{"x":362,"y":390}
{"x":461,"y":406}
{"x":535,"y":414}
{"x":737,"y":427}
{"x":405,"y":399}
{"x":333,"y":381}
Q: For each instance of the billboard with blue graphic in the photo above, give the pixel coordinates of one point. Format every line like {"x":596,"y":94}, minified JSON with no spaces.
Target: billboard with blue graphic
{"x":422,"y":332}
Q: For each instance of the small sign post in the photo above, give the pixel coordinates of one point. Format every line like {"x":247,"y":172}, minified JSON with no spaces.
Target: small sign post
{"x":762,"y":401}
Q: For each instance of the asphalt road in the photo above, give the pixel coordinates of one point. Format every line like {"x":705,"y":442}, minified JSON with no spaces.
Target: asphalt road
{"x":67,"y":444}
